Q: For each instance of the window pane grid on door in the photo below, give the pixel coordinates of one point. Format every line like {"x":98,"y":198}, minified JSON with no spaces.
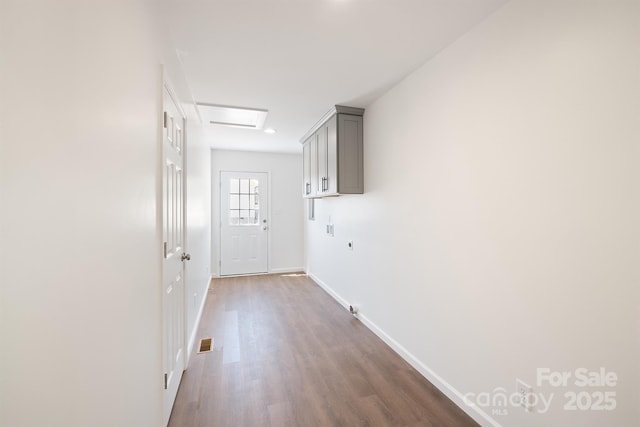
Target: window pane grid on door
{"x":244,"y":208}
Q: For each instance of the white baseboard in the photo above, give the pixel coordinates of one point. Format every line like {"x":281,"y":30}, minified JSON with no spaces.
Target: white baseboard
{"x":286,"y":270}
{"x":271,"y":271}
{"x":452,"y":393}
{"x":196,"y":325}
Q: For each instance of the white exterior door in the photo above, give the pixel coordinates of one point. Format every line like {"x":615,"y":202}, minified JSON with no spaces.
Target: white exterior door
{"x":173,"y":339}
{"x":244,"y":223}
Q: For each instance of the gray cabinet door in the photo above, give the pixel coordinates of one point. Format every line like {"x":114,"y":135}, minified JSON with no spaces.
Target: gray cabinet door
{"x":306,"y":169}
{"x":313,"y":167}
{"x":323,"y":177}
{"x":350,"y":154}
{"x":332,"y":182}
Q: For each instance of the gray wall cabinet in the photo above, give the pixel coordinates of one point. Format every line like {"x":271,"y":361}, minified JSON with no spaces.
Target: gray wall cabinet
{"x":333,"y":154}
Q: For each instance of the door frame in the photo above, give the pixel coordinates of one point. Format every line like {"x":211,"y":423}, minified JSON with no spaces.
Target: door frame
{"x":166,"y":85}
{"x":219,"y":213}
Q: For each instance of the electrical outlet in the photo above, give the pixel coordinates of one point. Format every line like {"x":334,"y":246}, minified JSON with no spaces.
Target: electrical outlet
{"x":525,"y":392}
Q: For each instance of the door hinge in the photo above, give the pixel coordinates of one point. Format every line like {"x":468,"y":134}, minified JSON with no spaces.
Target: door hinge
{"x":165,"y":380}
{"x":164,"y":249}
{"x":164,"y":120}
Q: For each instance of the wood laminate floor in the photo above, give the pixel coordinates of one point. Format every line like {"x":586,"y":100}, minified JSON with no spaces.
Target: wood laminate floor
{"x":286,"y":354}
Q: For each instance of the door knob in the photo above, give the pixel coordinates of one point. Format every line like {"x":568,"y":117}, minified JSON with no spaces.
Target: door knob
{"x":185,"y":257}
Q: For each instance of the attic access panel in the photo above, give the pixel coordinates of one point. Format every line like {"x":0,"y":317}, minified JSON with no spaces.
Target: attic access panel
{"x":240,"y":117}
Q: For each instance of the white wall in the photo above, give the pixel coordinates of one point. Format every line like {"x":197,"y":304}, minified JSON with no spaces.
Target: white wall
{"x":499,"y":229}
{"x":80,"y":255}
{"x":286,"y":235}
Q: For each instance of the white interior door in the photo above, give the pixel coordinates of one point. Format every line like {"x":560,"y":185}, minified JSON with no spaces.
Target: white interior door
{"x":244,"y":223}
{"x":173,"y":342}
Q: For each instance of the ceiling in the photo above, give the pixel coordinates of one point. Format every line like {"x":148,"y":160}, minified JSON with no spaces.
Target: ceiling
{"x":298,"y":58}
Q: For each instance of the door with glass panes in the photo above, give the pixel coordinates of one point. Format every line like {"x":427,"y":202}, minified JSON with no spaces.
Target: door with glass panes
{"x":243,"y":223}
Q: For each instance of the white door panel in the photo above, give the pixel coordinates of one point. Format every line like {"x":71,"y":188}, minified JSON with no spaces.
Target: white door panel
{"x":243,"y":223}
{"x":173,"y":339}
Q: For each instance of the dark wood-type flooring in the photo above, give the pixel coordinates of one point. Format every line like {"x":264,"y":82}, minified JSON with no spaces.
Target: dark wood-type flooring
{"x":286,"y":354}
